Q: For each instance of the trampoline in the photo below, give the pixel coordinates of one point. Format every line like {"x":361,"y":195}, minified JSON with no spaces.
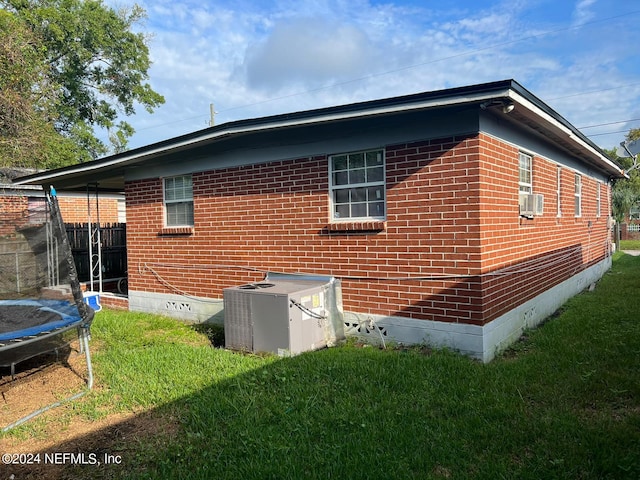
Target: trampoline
{"x":42,"y":309}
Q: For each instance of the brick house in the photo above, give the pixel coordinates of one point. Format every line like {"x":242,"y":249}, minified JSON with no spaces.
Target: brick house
{"x":454,"y":217}
{"x":74,"y":206}
{"x":75,"y":209}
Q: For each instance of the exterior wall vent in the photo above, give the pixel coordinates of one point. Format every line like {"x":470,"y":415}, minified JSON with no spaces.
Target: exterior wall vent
{"x":177,"y":306}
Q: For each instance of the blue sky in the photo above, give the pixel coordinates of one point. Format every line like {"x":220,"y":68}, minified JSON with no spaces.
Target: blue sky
{"x":252,"y":59}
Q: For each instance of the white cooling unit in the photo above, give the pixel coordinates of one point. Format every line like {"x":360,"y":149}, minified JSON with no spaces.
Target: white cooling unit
{"x":531,"y":204}
{"x":280,"y":316}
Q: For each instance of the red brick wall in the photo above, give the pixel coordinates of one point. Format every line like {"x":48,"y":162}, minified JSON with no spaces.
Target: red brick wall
{"x":74,"y":209}
{"x":625,"y":234}
{"x":11,"y":209}
{"x":443,"y":205}
{"x":532,"y":255}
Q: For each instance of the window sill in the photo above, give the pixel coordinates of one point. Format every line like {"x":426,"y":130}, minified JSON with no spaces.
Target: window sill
{"x":173,"y":231}
{"x":362,"y":227}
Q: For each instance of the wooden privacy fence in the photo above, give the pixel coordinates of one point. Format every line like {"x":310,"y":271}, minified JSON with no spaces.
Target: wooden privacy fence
{"x":113,"y":237}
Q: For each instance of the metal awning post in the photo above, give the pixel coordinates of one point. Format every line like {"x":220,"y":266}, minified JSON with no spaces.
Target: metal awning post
{"x":95,"y":242}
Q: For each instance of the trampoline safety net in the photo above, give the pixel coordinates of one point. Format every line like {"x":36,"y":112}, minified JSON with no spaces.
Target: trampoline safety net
{"x":41,"y":303}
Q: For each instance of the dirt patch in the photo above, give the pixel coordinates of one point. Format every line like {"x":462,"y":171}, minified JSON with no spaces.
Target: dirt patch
{"x":63,"y":444}
{"x":87,"y":449}
{"x":41,"y":381}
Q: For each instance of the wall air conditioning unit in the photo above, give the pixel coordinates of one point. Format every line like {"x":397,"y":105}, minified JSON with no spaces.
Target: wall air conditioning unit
{"x":531,"y":204}
{"x":282,"y":316}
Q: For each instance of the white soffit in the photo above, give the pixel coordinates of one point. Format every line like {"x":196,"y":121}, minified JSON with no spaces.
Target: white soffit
{"x":559,"y":126}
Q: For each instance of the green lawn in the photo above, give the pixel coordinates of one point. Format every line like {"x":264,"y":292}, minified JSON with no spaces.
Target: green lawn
{"x":562,"y":403}
{"x":630,"y":245}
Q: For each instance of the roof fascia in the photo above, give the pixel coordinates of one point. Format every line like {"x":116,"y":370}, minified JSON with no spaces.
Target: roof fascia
{"x":505,"y":89}
{"x":560,"y":124}
{"x":464,"y":95}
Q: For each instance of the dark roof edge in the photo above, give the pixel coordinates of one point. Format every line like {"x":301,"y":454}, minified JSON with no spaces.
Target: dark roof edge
{"x":274,"y":119}
{"x":497,"y":87}
{"x":515,"y":86}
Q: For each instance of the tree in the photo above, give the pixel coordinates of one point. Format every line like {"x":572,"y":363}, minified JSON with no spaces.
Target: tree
{"x":623,"y":196}
{"x":27,"y":96}
{"x":634,"y":134}
{"x":626,"y":192}
{"x":98,"y":63}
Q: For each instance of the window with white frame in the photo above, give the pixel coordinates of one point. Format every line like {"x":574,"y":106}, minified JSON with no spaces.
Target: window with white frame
{"x":357,"y":185}
{"x":578,"y":195}
{"x":525,"y":176}
{"x":178,"y":201}
{"x":559,"y":191}
{"x":598,"y":200}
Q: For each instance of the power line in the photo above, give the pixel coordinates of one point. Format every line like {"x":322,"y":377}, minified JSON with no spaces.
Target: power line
{"x":430,"y":62}
{"x":579,"y":128}
{"x":588,"y":92}
{"x":462,"y":54}
{"x":607,"y":133}
{"x":609,"y":123}
{"x":169,"y":123}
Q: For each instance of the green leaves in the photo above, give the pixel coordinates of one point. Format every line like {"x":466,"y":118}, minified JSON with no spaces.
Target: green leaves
{"x":626,"y":192}
{"x":90,"y":57}
{"x":28,"y":101}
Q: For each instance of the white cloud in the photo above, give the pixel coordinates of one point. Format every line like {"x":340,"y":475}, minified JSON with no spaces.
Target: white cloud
{"x":494,"y":24}
{"x":260,"y":58}
{"x":309,"y":51}
{"x":582,"y":12}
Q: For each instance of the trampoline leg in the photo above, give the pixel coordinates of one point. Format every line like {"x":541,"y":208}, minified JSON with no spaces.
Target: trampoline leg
{"x":84,"y":345}
{"x":80,"y":329}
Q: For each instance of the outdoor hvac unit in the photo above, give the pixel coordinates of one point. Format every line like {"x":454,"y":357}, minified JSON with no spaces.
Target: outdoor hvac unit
{"x":286,"y":317}
{"x":531,"y":204}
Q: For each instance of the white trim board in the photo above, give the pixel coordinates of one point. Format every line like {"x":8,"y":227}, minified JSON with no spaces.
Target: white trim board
{"x":481,"y":342}
{"x":191,"y":309}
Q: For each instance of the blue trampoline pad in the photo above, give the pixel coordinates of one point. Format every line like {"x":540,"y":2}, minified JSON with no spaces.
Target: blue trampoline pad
{"x":28,"y":318}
